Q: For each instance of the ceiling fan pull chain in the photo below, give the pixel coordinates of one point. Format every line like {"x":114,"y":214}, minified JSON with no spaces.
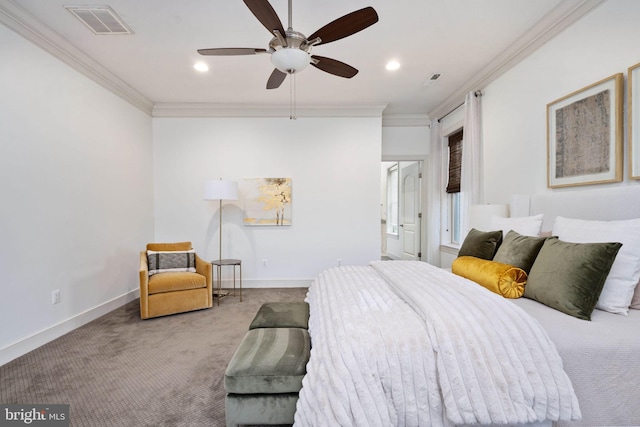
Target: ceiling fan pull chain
{"x":292,"y":96}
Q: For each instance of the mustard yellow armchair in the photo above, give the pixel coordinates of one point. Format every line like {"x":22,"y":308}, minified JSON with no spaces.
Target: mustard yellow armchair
{"x":176,"y":282}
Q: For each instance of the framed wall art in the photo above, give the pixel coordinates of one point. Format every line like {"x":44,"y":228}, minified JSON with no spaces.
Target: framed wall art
{"x":633,"y":108}
{"x":584,"y":135}
{"x":266,"y":201}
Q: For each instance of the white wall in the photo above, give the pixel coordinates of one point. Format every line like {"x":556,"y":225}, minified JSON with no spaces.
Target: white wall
{"x":603,"y":43}
{"x":334,"y":164}
{"x":405,"y":142}
{"x":76,"y":174}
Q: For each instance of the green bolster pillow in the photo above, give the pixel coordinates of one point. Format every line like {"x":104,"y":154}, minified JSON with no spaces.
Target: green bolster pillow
{"x":503,"y":279}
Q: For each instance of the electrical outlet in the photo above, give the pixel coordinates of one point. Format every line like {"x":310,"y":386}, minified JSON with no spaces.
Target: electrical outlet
{"x":55,"y":296}
{"x":264,"y":263}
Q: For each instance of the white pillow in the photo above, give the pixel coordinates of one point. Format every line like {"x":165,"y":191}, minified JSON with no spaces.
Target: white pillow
{"x":635,"y":301}
{"x":625,"y":272}
{"x":525,"y":225}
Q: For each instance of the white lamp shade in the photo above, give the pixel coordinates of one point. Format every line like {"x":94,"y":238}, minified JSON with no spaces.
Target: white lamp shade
{"x":220,"y":190}
{"x":290,"y":59}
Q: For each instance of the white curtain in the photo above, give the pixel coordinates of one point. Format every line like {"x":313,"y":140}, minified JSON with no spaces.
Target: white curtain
{"x":434,"y":189}
{"x":471,"y":182}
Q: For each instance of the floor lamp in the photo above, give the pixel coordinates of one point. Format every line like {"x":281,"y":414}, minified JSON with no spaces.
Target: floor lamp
{"x":220,"y":190}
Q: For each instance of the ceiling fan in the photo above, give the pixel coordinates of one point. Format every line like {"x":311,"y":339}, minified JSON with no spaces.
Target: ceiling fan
{"x":290,"y":50}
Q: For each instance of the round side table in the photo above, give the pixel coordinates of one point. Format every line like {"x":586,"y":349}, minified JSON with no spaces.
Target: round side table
{"x":219,"y":263}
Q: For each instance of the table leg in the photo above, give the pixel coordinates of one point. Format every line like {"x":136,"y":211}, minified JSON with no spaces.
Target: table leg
{"x":219,"y":283}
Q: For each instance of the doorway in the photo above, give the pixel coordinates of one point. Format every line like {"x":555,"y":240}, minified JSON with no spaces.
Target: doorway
{"x":401,"y":202}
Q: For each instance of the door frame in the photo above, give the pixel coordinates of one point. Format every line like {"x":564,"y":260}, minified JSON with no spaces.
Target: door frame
{"x":424,"y":234}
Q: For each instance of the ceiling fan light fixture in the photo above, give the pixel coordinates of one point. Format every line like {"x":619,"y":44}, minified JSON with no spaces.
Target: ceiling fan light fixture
{"x":290,"y":59}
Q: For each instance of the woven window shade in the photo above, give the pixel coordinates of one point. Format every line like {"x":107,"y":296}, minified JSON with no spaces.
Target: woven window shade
{"x":455,"y":161}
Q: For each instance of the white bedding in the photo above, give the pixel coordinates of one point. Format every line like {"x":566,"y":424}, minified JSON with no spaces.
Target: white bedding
{"x":602,"y":358}
{"x":405,"y":343}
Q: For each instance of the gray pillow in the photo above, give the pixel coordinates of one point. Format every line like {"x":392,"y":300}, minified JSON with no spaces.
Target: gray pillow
{"x":518,"y":250}
{"x":481,"y":244}
{"x":171,"y":261}
{"x":569,"y":276}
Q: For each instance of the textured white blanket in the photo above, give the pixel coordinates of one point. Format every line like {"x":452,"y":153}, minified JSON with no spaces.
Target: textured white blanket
{"x":406,"y":343}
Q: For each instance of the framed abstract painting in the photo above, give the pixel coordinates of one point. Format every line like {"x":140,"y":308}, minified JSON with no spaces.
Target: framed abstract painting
{"x":584,"y":135}
{"x":633,"y":108}
{"x":266,"y":201}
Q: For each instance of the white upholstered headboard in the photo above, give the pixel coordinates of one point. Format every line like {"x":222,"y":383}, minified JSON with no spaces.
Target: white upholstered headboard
{"x":598,"y":204}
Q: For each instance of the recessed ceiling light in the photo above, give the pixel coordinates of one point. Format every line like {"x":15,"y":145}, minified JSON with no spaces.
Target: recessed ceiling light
{"x":393,"y":65}
{"x":201,"y":66}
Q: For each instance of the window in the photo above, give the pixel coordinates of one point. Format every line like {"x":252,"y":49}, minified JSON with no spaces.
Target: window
{"x":453,"y":186}
{"x":392,"y":199}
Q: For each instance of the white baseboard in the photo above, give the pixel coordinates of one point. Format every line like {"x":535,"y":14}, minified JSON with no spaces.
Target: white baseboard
{"x":17,"y":349}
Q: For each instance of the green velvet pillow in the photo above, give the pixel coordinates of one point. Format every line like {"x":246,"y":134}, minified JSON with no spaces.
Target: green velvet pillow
{"x":518,"y":250}
{"x":569,"y":276}
{"x":481,"y":244}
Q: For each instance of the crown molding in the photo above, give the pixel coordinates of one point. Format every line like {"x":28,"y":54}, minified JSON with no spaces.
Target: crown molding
{"x":19,"y":20}
{"x":554,"y":22}
{"x":22,"y":22}
{"x":400,"y":120}
{"x":196,"y":109}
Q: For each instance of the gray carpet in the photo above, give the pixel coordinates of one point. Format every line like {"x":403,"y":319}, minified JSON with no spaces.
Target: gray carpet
{"x":122,"y":371}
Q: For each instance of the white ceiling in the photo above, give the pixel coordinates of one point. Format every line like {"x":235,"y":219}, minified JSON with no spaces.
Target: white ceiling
{"x":467,"y":41}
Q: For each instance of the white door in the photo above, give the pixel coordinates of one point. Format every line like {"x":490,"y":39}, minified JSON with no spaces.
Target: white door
{"x":410,"y":211}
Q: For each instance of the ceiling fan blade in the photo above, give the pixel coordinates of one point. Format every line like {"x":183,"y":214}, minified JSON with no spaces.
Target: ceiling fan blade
{"x":268,"y":17}
{"x":333,"y":66}
{"x":276,"y":79}
{"x":345,"y":26}
{"x":231,"y":51}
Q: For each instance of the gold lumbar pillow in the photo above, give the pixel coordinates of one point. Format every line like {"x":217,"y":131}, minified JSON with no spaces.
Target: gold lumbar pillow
{"x":503,"y":279}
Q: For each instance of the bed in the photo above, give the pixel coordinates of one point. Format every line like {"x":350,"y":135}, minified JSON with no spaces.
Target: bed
{"x":398,"y":343}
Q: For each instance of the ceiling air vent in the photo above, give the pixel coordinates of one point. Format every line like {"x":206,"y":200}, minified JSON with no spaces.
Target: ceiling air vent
{"x":100,"y":19}
{"x":431,"y":80}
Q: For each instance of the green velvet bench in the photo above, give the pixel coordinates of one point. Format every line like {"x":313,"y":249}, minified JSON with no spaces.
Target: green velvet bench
{"x":265,"y":375}
{"x":282,"y":315}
